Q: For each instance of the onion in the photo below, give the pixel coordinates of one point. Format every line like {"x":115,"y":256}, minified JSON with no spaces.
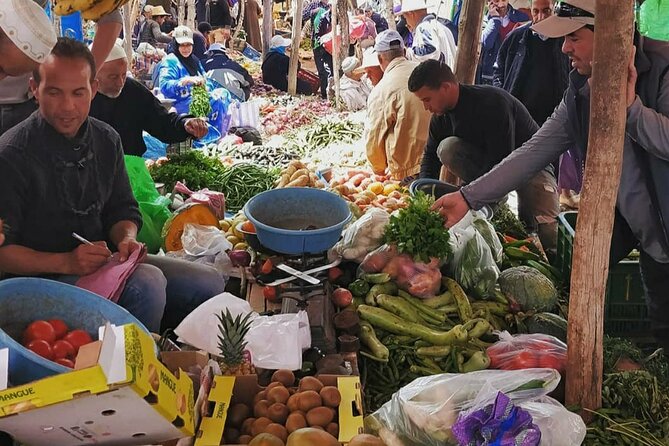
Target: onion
{"x":240,"y":257}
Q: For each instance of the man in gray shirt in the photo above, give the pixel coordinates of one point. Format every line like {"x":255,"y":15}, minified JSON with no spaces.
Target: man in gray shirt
{"x":642,"y":212}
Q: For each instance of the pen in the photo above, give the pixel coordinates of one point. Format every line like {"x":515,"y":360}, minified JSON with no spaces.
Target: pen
{"x":81,"y":239}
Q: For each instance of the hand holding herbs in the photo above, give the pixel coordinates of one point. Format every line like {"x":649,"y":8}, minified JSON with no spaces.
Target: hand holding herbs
{"x":419,"y":231}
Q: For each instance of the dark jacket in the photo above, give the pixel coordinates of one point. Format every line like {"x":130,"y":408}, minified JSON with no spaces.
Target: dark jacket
{"x":514,"y":63}
{"x":275,"y":73}
{"x":199,"y":45}
{"x":216,"y":12}
{"x":135,"y":110}
{"x":228,"y":73}
{"x":491,"y":41}
{"x":380,"y":22}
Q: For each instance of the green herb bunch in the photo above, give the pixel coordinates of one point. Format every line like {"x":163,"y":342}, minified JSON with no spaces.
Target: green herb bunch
{"x":419,"y":231}
{"x":193,"y":168}
{"x":199,"y":103}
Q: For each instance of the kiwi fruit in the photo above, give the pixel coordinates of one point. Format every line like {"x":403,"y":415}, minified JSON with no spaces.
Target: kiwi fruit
{"x":308,"y":400}
{"x":246,"y":426}
{"x":260,"y":409}
{"x":259,"y":397}
{"x":295,"y":421}
{"x":293,"y":402}
{"x":245,"y":439}
{"x":330,"y":396}
{"x":278,"y":394}
{"x":285,"y":377}
{"x":259,"y":425}
{"x":310,"y":383}
{"x":231,"y":435}
{"x":332,"y":429}
{"x":278,"y":431}
{"x":320,"y":416}
{"x":237,"y":414}
{"x":278,"y":413}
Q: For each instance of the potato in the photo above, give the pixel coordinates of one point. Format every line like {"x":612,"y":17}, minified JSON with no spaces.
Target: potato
{"x":245,"y":439}
{"x":278,"y":431}
{"x":260,"y":409}
{"x":285,"y":377}
{"x":259,"y":425}
{"x":293,"y":402}
{"x":278,"y":394}
{"x":259,"y":396}
{"x":309,"y":400}
{"x":320,"y":416}
{"x":271,"y":386}
{"x":332,"y":429}
{"x":237,"y":414}
{"x":266,"y":439}
{"x":246,"y":426}
{"x":295,"y":421}
{"x":278,"y":413}
{"x":330,"y":396}
{"x":310,"y":383}
{"x":366,"y":440}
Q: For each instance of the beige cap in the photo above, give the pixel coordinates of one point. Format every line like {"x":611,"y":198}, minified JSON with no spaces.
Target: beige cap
{"x":28,"y":27}
{"x":567,"y":18}
{"x":183,"y":34}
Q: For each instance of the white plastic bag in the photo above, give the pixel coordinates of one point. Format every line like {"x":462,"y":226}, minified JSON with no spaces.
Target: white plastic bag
{"x":558,"y":426}
{"x":277,"y":342}
{"x":245,"y":114}
{"x":423,"y":412}
{"x":361,"y":237}
{"x":199,"y":240}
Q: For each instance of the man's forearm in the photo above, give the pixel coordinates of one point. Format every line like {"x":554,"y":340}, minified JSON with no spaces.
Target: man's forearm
{"x":122,"y":230}
{"x":19,"y":260}
{"x":105,"y":37}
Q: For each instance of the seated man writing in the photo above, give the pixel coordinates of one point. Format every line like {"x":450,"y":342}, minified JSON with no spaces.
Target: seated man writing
{"x":63,"y":172}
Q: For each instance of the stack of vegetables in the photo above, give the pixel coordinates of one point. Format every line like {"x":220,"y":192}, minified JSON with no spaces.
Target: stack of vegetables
{"x":277,"y":118}
{"x":366,"y":190}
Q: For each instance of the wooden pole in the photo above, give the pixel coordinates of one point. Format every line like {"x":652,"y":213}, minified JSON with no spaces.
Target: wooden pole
{"x":336,"y":61}
{"x":127,"y":29}
{"x":295,"y":48}
{"x":267,"y":26}
{"x":390,"y":17}
{"x":469,"y":41}
{"x":590,"y":264}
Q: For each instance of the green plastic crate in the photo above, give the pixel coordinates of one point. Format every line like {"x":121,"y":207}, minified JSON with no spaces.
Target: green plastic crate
{"x":625,"y":310}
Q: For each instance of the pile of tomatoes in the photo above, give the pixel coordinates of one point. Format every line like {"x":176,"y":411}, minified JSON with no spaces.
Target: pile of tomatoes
{"x":54,"y":341}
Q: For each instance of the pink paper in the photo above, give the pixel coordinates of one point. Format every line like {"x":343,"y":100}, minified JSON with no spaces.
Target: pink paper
{"x":109,"y":281}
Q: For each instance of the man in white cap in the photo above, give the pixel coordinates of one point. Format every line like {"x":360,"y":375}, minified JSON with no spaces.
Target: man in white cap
{"x":150,"y":31}
{"x":354,"y":87}
{"x":431,"y":38}
{"x":26,"y":38}
{"x":275,"y":67}
{"x":642,"y":209}
{"x":371,"y":66}
{"x":397,"y":122}
{"x":130,"y":108}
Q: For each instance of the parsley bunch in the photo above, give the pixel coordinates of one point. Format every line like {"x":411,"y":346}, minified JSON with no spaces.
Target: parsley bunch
{"x":419,"y":231}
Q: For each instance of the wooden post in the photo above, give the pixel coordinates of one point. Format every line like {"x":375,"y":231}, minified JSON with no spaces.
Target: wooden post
{"x":590,"y":264}
{"x":127,"y":29}
{"x":190,"y":14}
{"x":295,"y":48}
{"x":267,"y":25}
{"x":469,"y":41}
{"x":336,"y":61}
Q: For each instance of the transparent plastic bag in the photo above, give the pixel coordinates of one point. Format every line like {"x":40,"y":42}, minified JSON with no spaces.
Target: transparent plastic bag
{"x":277,"y":342}
{"x":423,"y":412}
{"x":361,"y":237}
{"x":199,"y":240}
{"x":215,"y":200}
{"x":473,"y":265}
{"x":419,"y":279}
{"x":487,"y":231}
{"x":558,"y":426}
{"x":526,"y":351}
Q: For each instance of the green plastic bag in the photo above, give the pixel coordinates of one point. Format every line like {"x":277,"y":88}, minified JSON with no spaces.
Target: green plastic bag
{"x":154,"y":207}
{"x":654,"y":19}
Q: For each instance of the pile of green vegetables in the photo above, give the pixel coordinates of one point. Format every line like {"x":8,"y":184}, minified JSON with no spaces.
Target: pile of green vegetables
{"x":635,"y":403}
{"x":324,"y":133}
{"x":404,"y":337}
{"x":243,"y":181}
{"x":199,"y":103}
{"x":419,"y":231}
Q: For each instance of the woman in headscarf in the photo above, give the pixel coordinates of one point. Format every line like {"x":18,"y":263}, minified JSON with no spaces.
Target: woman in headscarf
{"x":275,"y":67}
{"x":181,"y":70}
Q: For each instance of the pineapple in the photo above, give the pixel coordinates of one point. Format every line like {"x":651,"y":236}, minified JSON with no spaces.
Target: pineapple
{"x":235,"y":361}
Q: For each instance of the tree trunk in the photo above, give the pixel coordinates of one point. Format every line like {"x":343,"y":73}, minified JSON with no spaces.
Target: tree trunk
{"x":590,"y":264}
{"x":267,"y":26}
{"x":469,"y":41}
{"x":190,"y":15}
{"x":127,"y":29}
{"x":295,"y":48}
{"x":390,"y":17}
{"x":336,"y":61}
{"x":343,"y":9}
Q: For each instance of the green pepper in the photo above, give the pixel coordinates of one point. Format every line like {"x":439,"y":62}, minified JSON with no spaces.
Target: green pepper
{"x":519,"y":254}
{"x":383,"y":288}
{"x":398,"y":307}
{"x":359,"y":288}
{"x":368,"y":337}
{"x":446,"y":298}
{"x":436,"y":351}
{"x":464,"y":307}
{"x":496,"y":308}
{"x":477,"y":361}
{"x":477,"y":328}
{"x":430,"y":314}
{"x":377,"y":278}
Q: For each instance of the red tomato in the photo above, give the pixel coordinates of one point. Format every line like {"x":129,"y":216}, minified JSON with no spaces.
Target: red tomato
{"x":523,"y":360}
{"x":269,"y":292}
{"x":64,"y":361}
{"x":41,"y":347}
{"x":78,"y":338}
{"x":62,"y":349}
{"x":551,"y":361}
{"x":267,"y":267}
{"x":59,"y":327}
{"x":39,"y":330}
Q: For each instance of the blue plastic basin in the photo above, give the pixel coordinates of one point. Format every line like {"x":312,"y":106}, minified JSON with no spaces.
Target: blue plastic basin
{"x":279,"y":215}
{"x":24,"y":300}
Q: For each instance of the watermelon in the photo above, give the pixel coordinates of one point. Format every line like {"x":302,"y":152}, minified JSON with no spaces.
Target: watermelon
{"x":548,"y":323}
{"x":528,"y":289}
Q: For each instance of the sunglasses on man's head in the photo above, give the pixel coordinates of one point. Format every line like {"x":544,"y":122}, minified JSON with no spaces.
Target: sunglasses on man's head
{"x":564,"y":9}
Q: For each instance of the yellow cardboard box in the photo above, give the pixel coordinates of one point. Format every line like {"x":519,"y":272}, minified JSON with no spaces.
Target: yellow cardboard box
{"x":227,"y":390}
{"x":128,"y":397}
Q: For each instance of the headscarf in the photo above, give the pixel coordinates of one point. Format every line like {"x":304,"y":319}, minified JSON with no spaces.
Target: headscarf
{"x":191,"y":63}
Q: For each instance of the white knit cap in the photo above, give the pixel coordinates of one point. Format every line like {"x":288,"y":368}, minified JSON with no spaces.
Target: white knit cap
{"x":117,"y":52}
{"x":28,"y":27}
{"x":349,"y":64}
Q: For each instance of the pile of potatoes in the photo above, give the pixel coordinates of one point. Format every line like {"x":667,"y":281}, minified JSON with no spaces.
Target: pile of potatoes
{"x":281,"y":409}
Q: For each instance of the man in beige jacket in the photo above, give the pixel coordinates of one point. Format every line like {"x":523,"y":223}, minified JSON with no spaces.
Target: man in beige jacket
{"x":398,"y":124}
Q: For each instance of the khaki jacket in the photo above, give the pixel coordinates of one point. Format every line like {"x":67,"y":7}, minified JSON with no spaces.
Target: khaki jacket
{"x":398,"y":125}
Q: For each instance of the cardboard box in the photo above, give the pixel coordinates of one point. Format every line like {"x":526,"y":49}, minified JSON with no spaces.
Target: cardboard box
{"x":128,"y":397}
{"x":227,"y":390}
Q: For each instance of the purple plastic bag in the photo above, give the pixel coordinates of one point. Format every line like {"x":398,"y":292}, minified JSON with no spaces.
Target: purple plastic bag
{"x":498,"y":424}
